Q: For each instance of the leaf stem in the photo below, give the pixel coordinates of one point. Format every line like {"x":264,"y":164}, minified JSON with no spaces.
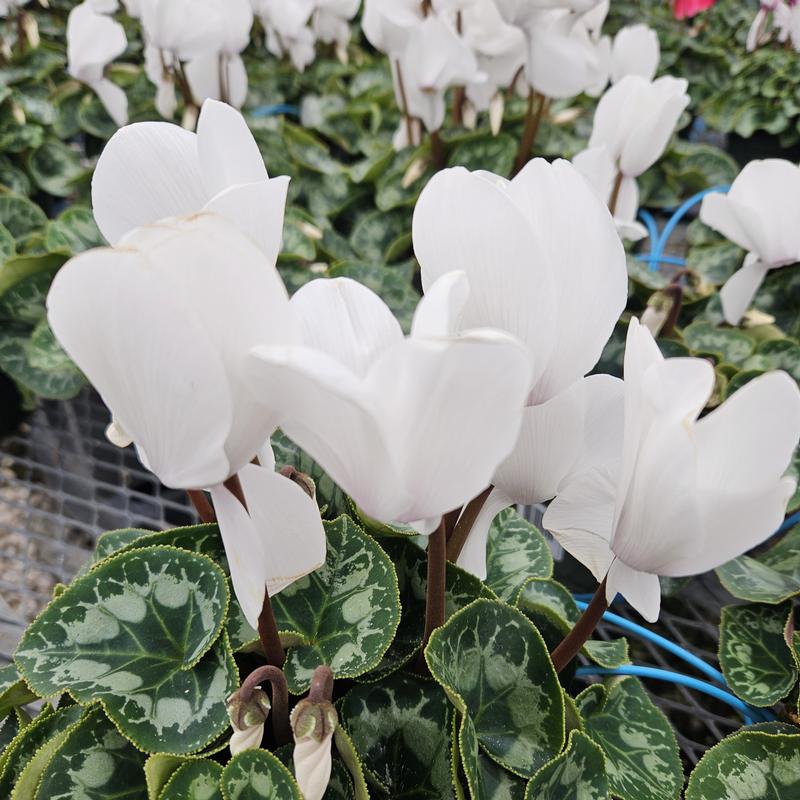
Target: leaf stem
{"x":583,"y":629}
{"x":463,"y":528}
{"x":279,"y":699}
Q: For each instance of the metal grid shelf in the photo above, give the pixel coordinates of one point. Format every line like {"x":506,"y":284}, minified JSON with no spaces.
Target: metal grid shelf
{"x":62,"y":485}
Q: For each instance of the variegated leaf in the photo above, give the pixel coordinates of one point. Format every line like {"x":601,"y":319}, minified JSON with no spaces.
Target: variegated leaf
{"x":486,"y":779}
{"x":94,"y":762}
{"x":754,"y":655}
{"x":346,"y":613}
{"x":642,"y":760}
{"x":411,"y":564}
{"x":258,"y":775}
{"x":771,"y":577}
{"x":134,"y":633}
{"x":13,"y":691}
{"x":578,"y":772}
{"x":494,"y":666}
{"x":516,"y":551}
{"x":195,"y":780}
{"x":400,"y":729}
{"x":45,"y":728}
{"x":545,"y":600}
{"x":751,"y":765}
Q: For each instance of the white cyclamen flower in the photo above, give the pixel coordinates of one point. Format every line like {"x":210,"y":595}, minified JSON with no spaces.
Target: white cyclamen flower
{"x":388,"y":24}
{"x":682,"y":495}
{"x":635,"y":51}
{"x":94,"y":40}
{"x":148,"y":325}
{"x":410,"y":427}
{"x":152,"y":170}
{"x":313,"y":727}
{"x":288,"y":31}
{"x":544,"y":263}
{"x":183,"y":28}
{"x":760,"y":213}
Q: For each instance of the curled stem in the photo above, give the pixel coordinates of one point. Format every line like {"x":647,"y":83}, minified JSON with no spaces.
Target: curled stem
{"x":321,"y":690}
{"x":583,"y":629}
{"x":279,"y":699}
{"x":463,"y":528}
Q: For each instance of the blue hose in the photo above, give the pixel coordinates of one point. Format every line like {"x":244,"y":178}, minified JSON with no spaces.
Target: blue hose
{"x":275,"y":110}
{"x":748,"y":714}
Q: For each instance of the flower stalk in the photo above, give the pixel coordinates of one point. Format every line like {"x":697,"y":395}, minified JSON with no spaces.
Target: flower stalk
{"x":463,"y":528}
{"x":533,"y":119}
{"x":435,"y":589}
{"x":201,"y":505}
{"x":614,"y":199}
{"x":583,"y":629}
{"x":280,"y":699}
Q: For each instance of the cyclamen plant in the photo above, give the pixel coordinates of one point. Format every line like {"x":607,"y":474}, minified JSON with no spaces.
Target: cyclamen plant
{"x":380,"y":621}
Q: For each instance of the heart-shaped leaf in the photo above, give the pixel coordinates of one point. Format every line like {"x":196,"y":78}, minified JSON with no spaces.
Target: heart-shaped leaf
{"x":578,"y":772}
{"x":258,"y":775}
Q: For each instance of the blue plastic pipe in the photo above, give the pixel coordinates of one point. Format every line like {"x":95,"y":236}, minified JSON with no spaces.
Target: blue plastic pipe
{"x":746,"y":711}
{"x":275,"y":110}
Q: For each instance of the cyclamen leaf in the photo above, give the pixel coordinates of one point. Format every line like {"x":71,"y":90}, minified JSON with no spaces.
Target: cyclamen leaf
{"x":134,"y":633}
{"x":13,"y":691}
{"x":195,"y":780}
{"x":258,"y":775}
{"x":486,"y":779}
{"x":771,"y":577}
{"x":754,"y":655}
{"x":494,"y":666}
{"x":346,"y":613}
{"x":516,"y":551}
{"x":642,"y":760}
{"x":752,"y":765}
{"x":578,"y":772}
{"x":94,"y":762}
{"x":400,"y":730}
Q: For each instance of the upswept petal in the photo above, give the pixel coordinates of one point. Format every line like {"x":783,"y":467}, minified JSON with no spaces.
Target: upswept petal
{"x":636,"y":51}
{"x":440,"y":310}
{"x":153,"y":363}
{"x":148,"y":171}
{"x":328,"y":412}
{"x":345,"y":320}
{"x":470,"y":222}
{"x":257,"y":209}
{"x":195,"y":257}
{"x":549,"y":444}
{"x":603,"y":421}
{"x":730,"y":218}
{"x":748,"y":442}
{"x":114,"y":100}
{"x":592,"y":286}
{"x":452,"y":412}
{"x":733,"y":524}
{"x":289,"y":524}
{"x":473,"y":555}
{"x":581,"y":516}
{"x":641,"y":589}
{"x":739,"y":290}
{"x":617,"y":113}
{"x":227,"y":151}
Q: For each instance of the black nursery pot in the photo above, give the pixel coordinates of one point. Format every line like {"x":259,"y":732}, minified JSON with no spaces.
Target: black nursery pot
{"x":760,"y":145}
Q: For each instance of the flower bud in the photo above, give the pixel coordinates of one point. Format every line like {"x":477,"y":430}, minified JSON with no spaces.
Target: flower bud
{"x":247,"y":718}
{"x":305,"y":482}
{"x":313,"y":725}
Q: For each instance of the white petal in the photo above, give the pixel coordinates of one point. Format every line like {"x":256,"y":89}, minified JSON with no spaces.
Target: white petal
{"x":641,"y":589}
{"x":473,"y":554}
{"x":227,"y":150}
{"x":636,"y":51}
{"x":147,"y":171}
{"x":548,"y":446}
{"x":249,"y":739}
{"x":257,"y":209}
{"x":114,"y":100}
{"x":603,"y":421}
{"x":748,"y":442}
{"x":151,"y":361}
{"x":236,"y":76}
{"x":330,"y":415}
{"x":441,"y":308}
{"x":739,"y":290}
{"x":452,"y":411}
{"x":470,"y":222}
{"x":346,"y":320}
{"x":312,"y":766}
{"x":288,"y":522}
{"x":729,"y":218}
{"x":591,"y":276}
{"x":246,"y":551}
{"x":581,"y":516}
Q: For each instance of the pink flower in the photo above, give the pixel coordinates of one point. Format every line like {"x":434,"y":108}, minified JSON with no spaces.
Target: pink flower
{"x":688,"y":8}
